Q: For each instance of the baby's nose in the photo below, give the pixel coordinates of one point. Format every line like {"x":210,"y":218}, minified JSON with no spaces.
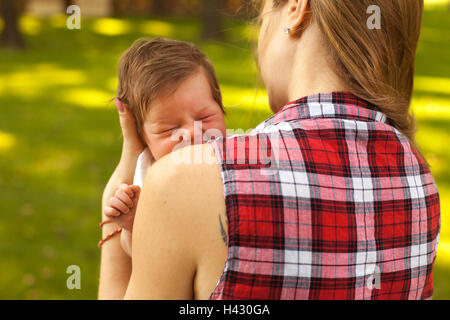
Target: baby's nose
{"x":195,"y":134}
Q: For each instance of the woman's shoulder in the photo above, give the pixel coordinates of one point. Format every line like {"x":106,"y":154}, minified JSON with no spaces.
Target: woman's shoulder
{"x":196,"y":161}
{"x":176,"y":227}
{"x":186,"y":185}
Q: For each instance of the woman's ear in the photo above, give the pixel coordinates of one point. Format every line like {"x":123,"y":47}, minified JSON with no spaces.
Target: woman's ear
{"x":298,"y":14}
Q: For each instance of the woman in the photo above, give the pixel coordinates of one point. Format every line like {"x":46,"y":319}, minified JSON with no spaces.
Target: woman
{"x":345,"y":208}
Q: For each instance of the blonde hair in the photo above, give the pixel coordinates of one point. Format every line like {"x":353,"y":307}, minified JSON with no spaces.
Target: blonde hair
{"x":150,"y":68}
{"x":377,"y":65}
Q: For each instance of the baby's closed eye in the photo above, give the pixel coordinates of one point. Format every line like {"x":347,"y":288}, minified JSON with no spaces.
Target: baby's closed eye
{"x":161,"y":131}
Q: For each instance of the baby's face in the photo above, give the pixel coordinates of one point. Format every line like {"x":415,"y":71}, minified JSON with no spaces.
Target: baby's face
{"x":171,"y":118}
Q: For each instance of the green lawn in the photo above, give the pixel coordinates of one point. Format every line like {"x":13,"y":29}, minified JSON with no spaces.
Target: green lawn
{"x":60,"y":141}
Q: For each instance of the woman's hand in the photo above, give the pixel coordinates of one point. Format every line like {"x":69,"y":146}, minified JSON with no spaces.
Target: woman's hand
{"x":132,"y":143}
{"x":132,"y":146}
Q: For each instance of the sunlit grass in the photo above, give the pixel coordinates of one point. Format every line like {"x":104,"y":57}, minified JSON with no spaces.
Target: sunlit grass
{"x":251,"y":99}
{"x":432,"y":84}
{"x":111,"y":27}
{"x":444,"y":252}
{"x":156,"y":27}
{"x":33,"y":81}
{"x":429,"y":107}
{"x":429,"y":4}
{"x":7,"y":142}
{"x":435,"y":35}
{"x":58,"y":21}
{"x":30,"y":25}
{"x":87,"y":97}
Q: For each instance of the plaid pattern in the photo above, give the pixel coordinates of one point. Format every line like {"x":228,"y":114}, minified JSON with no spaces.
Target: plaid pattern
{"x":348,"y":211}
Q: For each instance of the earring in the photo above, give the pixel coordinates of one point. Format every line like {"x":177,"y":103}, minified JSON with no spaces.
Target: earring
{"x":287,"y":31}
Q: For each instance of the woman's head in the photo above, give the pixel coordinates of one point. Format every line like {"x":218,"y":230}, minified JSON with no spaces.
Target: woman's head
{"x":374,"y":64}
{"x":167,"y":83}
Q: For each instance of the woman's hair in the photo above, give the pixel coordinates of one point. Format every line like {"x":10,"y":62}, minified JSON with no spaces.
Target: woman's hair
{"x":151,"y":68}
{"x":376,"y":64}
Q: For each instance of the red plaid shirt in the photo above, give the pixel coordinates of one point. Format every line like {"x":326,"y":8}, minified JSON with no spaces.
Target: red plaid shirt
{"x":325,"y":200}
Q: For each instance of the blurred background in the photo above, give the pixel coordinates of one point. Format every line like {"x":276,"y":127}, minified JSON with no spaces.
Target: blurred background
{"x":60,"y":138}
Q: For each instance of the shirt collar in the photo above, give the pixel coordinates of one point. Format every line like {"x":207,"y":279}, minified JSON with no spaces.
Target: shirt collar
{"x":340,"y":105}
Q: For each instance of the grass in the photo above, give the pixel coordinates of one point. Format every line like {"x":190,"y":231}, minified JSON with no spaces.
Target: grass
{"x":60,"y":141}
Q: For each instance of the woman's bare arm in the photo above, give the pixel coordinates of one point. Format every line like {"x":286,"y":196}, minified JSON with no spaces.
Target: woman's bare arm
{"x":175,"y":228}
{"x":115,"y":264}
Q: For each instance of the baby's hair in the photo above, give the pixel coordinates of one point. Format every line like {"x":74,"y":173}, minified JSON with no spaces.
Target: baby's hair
{"x":151,"y":68}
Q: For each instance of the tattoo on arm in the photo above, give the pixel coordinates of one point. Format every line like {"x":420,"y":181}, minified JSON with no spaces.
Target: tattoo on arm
{"x":222,"y":231}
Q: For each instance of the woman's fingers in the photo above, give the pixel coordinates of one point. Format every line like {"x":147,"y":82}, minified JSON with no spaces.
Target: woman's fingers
{"x":131,"y":137}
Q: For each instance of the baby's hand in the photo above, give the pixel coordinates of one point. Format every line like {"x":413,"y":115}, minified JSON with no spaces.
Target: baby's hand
{"x":121,"y":208}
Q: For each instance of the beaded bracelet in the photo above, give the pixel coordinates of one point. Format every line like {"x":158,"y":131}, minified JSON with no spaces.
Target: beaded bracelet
{"x":109,"y":236}
{"x":105,"y":222}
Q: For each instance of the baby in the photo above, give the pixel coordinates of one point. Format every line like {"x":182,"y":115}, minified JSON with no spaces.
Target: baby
{"x":168,"y":86}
